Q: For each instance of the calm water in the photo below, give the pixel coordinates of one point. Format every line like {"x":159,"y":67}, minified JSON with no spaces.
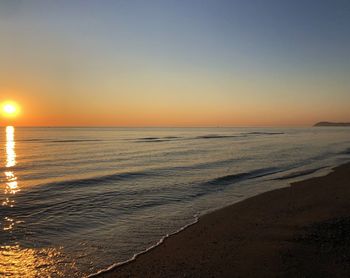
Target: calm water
{"x":77,"y":200}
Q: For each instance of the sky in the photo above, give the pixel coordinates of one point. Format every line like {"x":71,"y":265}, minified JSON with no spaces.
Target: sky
{"x":175,"y":62}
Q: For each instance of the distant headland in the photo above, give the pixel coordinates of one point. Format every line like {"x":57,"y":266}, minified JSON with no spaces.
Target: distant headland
{"x":331,"y":124}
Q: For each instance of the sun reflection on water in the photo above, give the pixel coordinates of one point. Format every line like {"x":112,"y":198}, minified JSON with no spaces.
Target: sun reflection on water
{"x":25,"y":262}
{"x":15,"y":260}
{"x":11,"y":179}
{"x":10,"y":147}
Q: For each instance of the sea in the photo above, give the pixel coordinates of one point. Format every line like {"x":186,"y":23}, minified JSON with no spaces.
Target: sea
{"x":77,"y":201}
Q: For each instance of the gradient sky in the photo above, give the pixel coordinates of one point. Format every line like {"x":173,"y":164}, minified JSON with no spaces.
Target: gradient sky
{"x":176,"y":63}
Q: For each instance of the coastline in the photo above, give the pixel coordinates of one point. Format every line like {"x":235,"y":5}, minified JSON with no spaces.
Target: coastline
{"x":276,"y":233}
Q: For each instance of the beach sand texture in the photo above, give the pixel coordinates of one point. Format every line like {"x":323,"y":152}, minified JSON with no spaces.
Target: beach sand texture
{"x":299,"y":231}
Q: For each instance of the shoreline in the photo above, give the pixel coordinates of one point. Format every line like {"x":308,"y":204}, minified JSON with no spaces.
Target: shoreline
{"x":159,"y":260}
{"x":113,"y":266}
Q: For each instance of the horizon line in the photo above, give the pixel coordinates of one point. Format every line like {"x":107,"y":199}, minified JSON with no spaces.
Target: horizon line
{"x":86,"y":126}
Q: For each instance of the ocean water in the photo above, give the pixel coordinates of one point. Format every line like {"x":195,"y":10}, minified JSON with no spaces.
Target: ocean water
{"x":75,"y":201}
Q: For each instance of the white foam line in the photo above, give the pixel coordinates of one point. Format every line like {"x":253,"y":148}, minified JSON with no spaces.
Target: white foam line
{"x":196,"y":219}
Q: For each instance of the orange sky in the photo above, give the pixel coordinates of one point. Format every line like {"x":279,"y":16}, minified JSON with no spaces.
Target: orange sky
{"x":42,"y":111}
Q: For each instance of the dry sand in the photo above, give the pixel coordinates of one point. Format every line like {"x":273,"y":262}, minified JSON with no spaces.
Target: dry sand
{"x":299,"y":231}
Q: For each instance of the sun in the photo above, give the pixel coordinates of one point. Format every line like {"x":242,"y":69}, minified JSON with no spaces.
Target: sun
{"x":10,"y":109}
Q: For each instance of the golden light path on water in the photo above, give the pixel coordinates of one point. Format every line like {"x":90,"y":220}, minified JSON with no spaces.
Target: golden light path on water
{"x":11,"y":187}
{"x":28,"y":262}
{"x":16,"y":261}
{"x":12,"y":183}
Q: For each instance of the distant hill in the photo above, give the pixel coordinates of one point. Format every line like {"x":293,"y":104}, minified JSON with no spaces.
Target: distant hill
{"x":331,"y":124}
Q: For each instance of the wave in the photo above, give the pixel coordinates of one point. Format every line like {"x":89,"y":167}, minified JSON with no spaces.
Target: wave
{"x":153,"y":141}
{"x":176,"y":193}
{"x":156,"y":139}
{"x":171,"y":137}
{"x":148,"y":138}
{"x":15,"y":168}
{"x":300,"y":173}
{"x":230,"y":179}
{"x":215,"y":136}
{"x":75,"y":140}
{"x":263,"y":133}
{"x":219,"y":136}
{"x":59,"y":141}
{"x":208,"y":136}
{"x":347,"y":151}
{"x":92,"y":181}
{"x":32,"y":140}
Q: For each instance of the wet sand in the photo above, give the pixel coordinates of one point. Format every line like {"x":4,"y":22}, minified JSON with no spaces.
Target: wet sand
{"x":299,"y":231}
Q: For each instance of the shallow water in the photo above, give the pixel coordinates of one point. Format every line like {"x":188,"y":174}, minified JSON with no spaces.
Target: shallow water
{"x":78,"y":200}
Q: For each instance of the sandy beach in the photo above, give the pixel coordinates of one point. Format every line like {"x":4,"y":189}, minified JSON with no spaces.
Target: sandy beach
{"x":299,"y":231}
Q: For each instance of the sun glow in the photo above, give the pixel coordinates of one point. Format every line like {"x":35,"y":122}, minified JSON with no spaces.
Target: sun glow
{"x":9,"y":109}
